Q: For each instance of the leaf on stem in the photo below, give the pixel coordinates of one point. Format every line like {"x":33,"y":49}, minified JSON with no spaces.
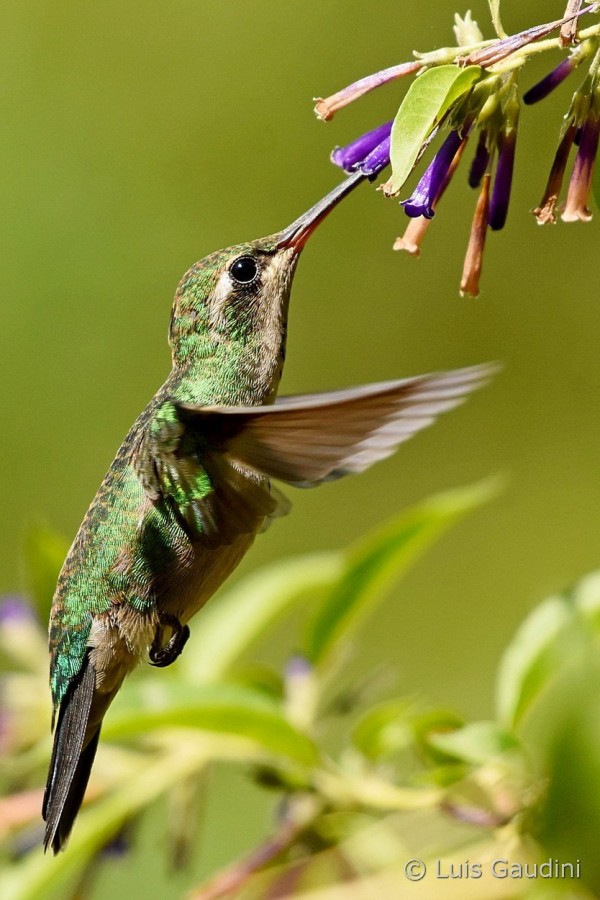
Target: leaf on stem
{"x":374,"y":563}
{"x":427,"y":101}
{"x":223,"y":708}
{"x":530,"y":660}
{"x":231,"y":623}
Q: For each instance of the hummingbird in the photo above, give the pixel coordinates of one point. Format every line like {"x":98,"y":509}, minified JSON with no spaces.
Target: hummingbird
{"x":191,"y":485}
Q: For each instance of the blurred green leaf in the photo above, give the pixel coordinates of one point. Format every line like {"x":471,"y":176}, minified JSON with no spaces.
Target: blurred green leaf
{"x":567,"y":751}
{"x":227,"y":709}
{"x":427,"y":100}
{"x":376,"y":561}
{"x":261,"y":678}
{"x":531,"y":660}
{"x":476,"y":743}
{"x":586,"y":600}
{"x":383,"y":730}
{"x":432,"y":722}
{"x":37,"y":874}
{"x":45,"y":551}
{"x":447,"y":774}
{"x":230,"y":624}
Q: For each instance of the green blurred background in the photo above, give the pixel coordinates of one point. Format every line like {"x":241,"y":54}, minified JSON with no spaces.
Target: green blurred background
{"x":138,"y":137}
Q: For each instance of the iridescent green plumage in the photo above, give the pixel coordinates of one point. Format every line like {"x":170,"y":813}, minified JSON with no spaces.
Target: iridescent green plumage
{"x":191,"y":487}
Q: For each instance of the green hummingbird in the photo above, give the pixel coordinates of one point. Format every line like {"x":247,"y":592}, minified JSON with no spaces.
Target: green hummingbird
{"x":190,"y":486}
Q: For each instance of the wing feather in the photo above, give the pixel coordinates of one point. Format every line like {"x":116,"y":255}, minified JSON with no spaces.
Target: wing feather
{"x":213,"y":464}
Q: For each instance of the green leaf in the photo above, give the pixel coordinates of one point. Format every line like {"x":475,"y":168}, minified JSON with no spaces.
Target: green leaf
{"x":222,"y":708}
{"x":434,"y":722}
{"x":374,"y":563}
{"x":586,"y":599}
{"x":531,"y":659}
{"x":427,"y":100}
{"x":232,"y":622}
{"x":39,"y":875}
{"x":45,"y":552}
{"x":476,"y":743}
{"x":384,"y":730}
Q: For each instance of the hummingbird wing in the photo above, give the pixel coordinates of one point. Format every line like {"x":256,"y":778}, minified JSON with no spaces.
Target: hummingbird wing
{"x":214,"y":463}
{"x":306,"y":440}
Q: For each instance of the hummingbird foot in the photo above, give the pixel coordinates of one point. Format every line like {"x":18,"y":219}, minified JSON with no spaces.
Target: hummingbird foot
{"x":163,"y":656}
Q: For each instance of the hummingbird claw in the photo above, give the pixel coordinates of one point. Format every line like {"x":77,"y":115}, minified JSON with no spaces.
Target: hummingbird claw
{"x":163,"y":656}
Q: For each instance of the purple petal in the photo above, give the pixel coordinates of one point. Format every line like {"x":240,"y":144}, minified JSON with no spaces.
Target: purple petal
{"x":588,"y":140}
{"x":580,"y":184}
{"x":549,"y":82}
{"x":545,"y":211}
{"x":503,"y":179}
{"x":14,"y":610}
{"x":480,"y":161}
{"x":350,"y":156}
{"x":377,"y":159}
{"x":433,"y":180}
{"x":297,"y":667}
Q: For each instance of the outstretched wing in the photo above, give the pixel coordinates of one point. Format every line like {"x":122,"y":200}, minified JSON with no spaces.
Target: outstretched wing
{"x":214,"y":462}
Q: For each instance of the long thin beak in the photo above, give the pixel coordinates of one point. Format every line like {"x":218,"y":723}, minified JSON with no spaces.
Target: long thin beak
{"x":296,"y":235}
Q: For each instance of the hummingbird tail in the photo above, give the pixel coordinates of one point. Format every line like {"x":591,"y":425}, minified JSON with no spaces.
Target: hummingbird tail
{"x":75,"y":742}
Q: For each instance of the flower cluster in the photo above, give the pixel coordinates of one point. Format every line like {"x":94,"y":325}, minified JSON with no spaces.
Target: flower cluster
{"x":581,"y":128}
{"x":487,"y":114}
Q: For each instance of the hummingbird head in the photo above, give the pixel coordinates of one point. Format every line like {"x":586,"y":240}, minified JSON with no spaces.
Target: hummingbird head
{"x":232,"y":305}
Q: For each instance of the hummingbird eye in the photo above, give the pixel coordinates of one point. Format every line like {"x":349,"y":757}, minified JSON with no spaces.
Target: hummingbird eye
{"x":244,"y":269}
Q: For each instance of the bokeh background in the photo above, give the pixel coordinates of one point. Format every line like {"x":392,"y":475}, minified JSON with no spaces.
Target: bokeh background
{"x":138,"y":137}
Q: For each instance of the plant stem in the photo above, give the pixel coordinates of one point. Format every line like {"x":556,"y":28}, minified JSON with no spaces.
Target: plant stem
{"x":301,"y":812}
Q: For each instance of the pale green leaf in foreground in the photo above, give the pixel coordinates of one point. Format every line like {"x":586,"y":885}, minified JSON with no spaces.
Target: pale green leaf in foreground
{"x":230,"y":623}
{"x":383,"y":730}
{"x":530,"y":660}
{"x":427,"y":100}
{"x":586,"y":599}
{"x":476,"y":743}
{"x":375,"y":562}
{"x":222,"y":708}
{"x":41,"y":875}
{"x":544,"y":643}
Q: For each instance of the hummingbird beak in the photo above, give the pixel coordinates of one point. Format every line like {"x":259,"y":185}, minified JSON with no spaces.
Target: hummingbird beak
{"x":296,"y":235}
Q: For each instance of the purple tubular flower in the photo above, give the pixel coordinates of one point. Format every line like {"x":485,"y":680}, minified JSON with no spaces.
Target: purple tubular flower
{"x":352,"y":155}
{"x":503,"y":179}
{"x":544,"y":213}
{"x":550,"y":81}
{"x":480,"y":161}
{"x":581,"y":180}
{"x":433,"y":180}
{"x":377,"y":159}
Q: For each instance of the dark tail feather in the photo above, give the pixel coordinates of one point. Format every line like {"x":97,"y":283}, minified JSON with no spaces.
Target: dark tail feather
{"x":75,"y":743}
